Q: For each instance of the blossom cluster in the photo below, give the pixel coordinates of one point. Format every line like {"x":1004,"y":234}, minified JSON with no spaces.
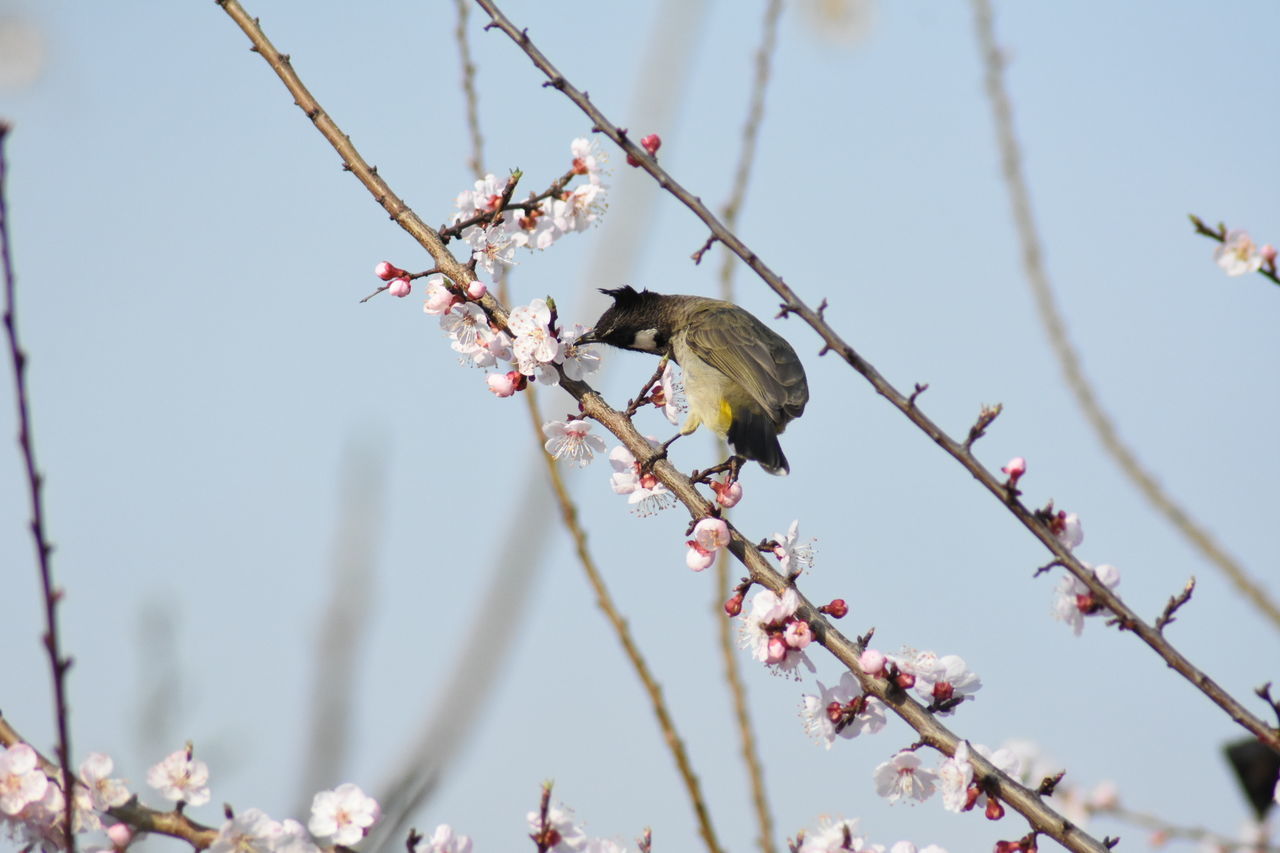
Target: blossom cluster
{"x":493,"y":245}
{"x":33,"y":802}
{"x":32,"y":806}
{"x":773,"y":632}
{"x":533,"y":347}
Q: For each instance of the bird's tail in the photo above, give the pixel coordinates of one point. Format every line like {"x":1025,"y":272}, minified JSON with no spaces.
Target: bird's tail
{"x":753,"y":435}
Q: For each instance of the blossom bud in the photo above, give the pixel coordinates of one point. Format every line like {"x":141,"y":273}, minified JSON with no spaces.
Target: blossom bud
{"x":505,"y":384}
{"x":476,"y":290}
{"x":995,"y":811}
{"x":798,"y":634}
{"x":733,"y":606}
{"x":121,"y":835}
{"x":399,"y":287}
{"x":837,"y":609}
{"x":711,"y":533}
{"x":727,"y":494}
{"x":651,"y":143}
{"x":699,"y":559}
{"x":872,"y":662}
{"x":1268,"y":253}
{"x":1016,"y":467}
{"x":386,"y":271}
{"x":632,"y":161}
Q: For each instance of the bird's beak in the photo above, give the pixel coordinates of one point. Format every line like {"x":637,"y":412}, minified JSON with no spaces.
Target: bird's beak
{"x":588,"y":337}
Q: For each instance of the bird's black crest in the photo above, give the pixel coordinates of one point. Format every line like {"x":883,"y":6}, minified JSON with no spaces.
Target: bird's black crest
{"x":626,"y":293}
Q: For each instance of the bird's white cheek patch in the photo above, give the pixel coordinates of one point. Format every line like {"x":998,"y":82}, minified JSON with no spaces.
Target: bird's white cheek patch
{"x":646,"y":339}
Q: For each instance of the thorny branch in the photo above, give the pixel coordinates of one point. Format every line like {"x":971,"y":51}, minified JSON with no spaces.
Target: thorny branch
{"x":832,"y":341}
{"x":58,"y":664}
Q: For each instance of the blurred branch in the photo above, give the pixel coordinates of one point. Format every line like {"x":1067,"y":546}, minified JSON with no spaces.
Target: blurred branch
{"x":58,"y":664}
{"x":347,"y":621}
{"x":569,"y":516}
{"x":1166,"y":831}
{"x":728,"y":651}
{"x":476,"y":160}
{"x":750,"y":133}
{"x":1055,"y":328}
{"x":792,"y":304}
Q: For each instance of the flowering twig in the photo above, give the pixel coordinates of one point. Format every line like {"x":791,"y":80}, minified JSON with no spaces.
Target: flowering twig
{"x":569,"y":517}
{"x":835,"y":343}
{"x":35,"y":488}
{"x":173,"y":823}
{"x":450,"y":232}
{"x":1055,"y":329}
{"x":1268,"y":268}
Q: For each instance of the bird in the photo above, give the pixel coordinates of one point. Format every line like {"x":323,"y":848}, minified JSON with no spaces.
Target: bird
{"x":742,"y":379}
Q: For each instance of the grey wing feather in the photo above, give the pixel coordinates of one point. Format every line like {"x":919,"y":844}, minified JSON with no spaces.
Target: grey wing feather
{"x":770,"y":371}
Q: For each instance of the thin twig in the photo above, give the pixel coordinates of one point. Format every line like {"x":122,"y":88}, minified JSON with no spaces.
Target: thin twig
{"x":1175,"y":602}
{"x":569,"y":516}
{"x":833,"y":341}
{"x":58,"y":664}
{"x":1056,"y":330}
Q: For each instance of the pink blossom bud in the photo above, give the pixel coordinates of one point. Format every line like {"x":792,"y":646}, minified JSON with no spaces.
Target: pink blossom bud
{"x":995,"y":811}
{"x":798,"y":634}
{"x":733,"y":606}
{"x":399,"y":287}
{"x":439,"y":298}
{"x":1016,"y":468}
{"x":727,"y":494}
{"x":872,"y":662}
{"x":386,"y":271}
{"x":711,"y":533}
{"x":651,"y":143}
{"x":504,"y":384}
{"x":120,"y":834}
{"x":698,"y":559}
{"x":476,"y":290}
{"x":837,"y":609}
{"x":905,"y":680}
{"x":835,"y":712}
{"x":632,"y":161}
{"x":1268,"y":253}
{"x":777,"y":650}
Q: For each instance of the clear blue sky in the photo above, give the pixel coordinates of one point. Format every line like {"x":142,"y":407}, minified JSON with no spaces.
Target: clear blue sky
{"x":191,"y":257}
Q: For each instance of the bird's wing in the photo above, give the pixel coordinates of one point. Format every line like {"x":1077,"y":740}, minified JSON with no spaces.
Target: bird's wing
{"x":753,"y":355}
